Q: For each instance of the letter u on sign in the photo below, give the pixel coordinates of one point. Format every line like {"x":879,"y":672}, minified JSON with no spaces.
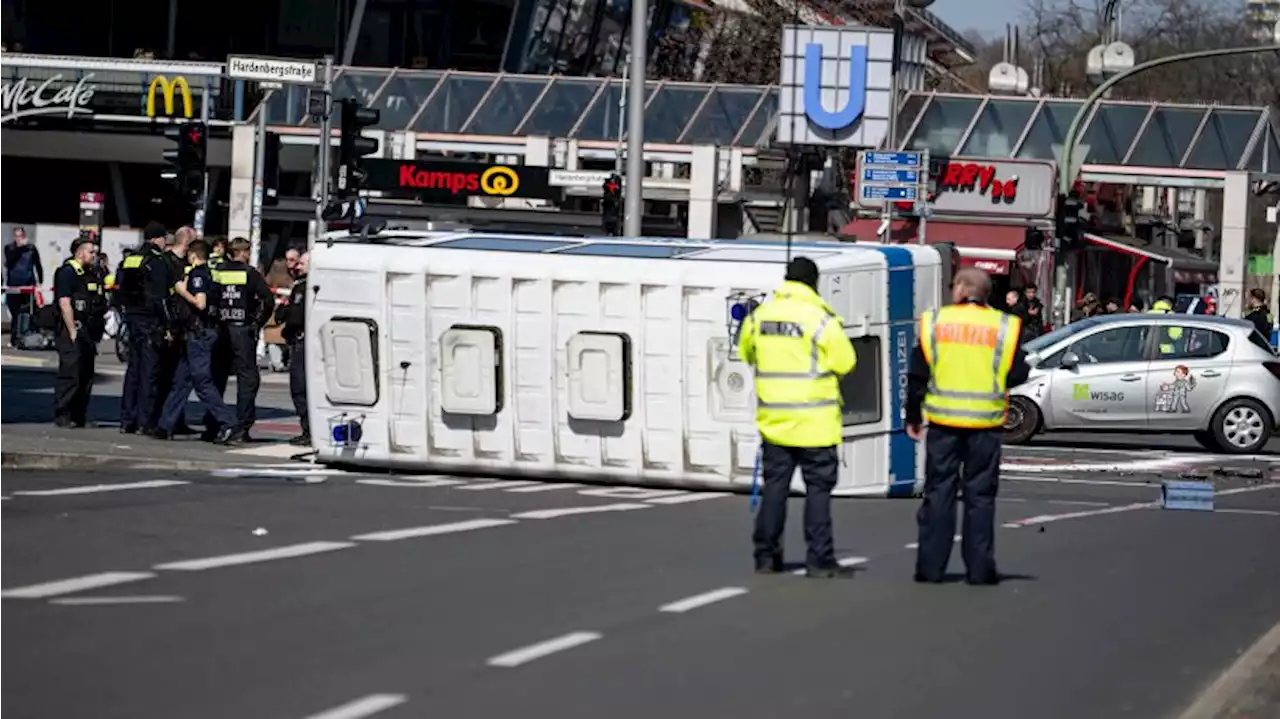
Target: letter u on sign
{"x":813,"y":109}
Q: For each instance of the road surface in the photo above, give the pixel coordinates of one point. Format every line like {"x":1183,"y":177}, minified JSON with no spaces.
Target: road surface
{"x":297,"y":592}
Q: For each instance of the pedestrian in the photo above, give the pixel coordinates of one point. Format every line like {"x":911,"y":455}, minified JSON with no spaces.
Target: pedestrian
{"x":245,"y":303}
{"x":173,"y":345}
{"x":82,"y":307}
{"x":195,"y":370}
{"x":144,"y":296}
{"x":222,"y":358}
{"x":293,"y":317}
{"x":1112,"y":307}
{"x":797,"y":346}
{"x":959,"y":374}
{"x":24,"y":274}
{"x":1258,"y":313}
{"x":1034,"y":313}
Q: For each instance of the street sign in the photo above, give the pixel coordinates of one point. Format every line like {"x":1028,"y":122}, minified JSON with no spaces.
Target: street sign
{"x":890,"y":192}
{"x":896,"y":159}
{"x":875,"y":174}
{"x":271,"y":69}
{"x":577,"y":178}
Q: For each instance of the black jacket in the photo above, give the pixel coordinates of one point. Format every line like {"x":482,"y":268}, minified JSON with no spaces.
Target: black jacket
{"x":918,"y":374}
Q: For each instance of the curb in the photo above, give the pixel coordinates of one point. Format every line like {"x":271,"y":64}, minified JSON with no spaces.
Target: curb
{"x":53,"y":461}
{"x":1233,"y":685}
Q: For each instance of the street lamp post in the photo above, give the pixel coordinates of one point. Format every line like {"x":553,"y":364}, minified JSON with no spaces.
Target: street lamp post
{"x":1069,"y":169}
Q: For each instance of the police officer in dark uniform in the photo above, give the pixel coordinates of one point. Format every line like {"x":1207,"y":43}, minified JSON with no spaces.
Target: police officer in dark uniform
{"x":220,"y":361}
{"x":144,"y":284}
{"x":294,"y":318}
{"x":82,"y":308}
{"x":194,"y":370}
{"x":245,"y":304}
{"x":173,"y":347}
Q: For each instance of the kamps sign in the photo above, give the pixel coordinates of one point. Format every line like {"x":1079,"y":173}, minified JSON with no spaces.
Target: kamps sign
{"x":836,"y":83}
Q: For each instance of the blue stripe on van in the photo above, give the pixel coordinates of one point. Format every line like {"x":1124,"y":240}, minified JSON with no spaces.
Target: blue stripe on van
{"x":902,"y":335}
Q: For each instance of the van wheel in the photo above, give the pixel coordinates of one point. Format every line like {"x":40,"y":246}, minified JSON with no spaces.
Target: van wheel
{"x":1241,"y":426}
{"x":1021,"y":421}
{"x":1206,"y":440}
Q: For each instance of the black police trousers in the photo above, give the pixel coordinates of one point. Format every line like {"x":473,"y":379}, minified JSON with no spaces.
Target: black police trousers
{"x":954,"y":455}
{"x":244,"y":361}
{"x":298,"y":382}
{"x":140,"y":374}
{"x":74,"y":383}
{"x":778,"y":465}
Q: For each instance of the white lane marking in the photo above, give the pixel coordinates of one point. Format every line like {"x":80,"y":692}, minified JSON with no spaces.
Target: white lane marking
{"x":571,"y":511}
{"x":94,"y":488}
{"x":1097,"y":482}
{"x":845,"y":562}
{"x":1079,"y":503}
{"x":362,"y":707}
{"x":527,"y":654}
{"x":1013,"y":499}
{"x":411,"y":482}
{"x":501,"y":484}
{"x":75,"y":584}
{"x":701,"y":600}
{"x":916,"y":545}
{"x":1261,"y":512}
{"x":432,"y":530}
{"x":1137,"y":465}
{"x":1046,"y":518}
{"x":685,"y":499}
{"x":281,"y":450}
{"x":632,"y":493}
{"x":1033,"y":448}
{"x":266,"y":555}
{"x":96,"y":601}
{"x":545,"y":487}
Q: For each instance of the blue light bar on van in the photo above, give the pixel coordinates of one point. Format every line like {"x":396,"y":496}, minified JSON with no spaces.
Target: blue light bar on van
{"x":347,"y":433}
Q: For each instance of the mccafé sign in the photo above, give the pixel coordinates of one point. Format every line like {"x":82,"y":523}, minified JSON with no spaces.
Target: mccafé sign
{"x":977,"y":187}
{"x":441,"y":179}
{"x":51,"y":95}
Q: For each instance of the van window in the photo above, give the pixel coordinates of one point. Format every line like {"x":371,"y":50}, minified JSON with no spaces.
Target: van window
{"x":860,"y":389}
{"x":1117,"y":344}
{"x":1193,"y":343}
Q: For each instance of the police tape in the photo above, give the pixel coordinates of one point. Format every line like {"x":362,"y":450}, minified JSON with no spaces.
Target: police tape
{"x":33,"y":290}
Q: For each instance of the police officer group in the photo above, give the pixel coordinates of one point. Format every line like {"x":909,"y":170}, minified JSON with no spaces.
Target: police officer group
{"x":193,"y":313}
{"x":959,"y":373}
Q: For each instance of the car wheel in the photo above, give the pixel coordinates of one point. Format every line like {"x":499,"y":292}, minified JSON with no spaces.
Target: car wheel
{"x":1207,"y":441}
{"x":1021,"y":421}
{"x":1241,"y":426}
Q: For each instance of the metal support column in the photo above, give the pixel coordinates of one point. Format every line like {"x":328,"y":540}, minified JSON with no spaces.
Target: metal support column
{"x":202,"y":206}
{"x":322,"y":161}
{"x":635,"y":119}
{"x":259,"y":172}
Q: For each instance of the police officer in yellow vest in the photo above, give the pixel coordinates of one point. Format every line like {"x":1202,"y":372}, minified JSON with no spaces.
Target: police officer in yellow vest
{"x":1168,"y":342}
{"x":797,"y":346}
{"x":81,"y":307}
{"x":959,"y":375}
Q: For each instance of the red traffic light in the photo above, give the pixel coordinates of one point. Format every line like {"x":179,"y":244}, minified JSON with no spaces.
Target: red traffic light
{"x":194,"y":135}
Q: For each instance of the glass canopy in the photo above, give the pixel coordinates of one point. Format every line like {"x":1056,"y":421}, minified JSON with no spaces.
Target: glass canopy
{"x":555,"y":106}
{"x":1192,"y":137}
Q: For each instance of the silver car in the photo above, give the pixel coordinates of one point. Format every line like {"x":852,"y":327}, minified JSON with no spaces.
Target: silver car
{"x":1215,"y":378}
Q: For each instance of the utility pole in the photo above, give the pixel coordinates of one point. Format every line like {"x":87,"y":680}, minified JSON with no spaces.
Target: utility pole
{"x":322,"y":161}
{"x":634,"y":194}
{"x":259,"y":178}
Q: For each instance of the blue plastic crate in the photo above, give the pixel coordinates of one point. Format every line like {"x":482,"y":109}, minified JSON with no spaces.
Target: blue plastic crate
{"x":1193,"y":496}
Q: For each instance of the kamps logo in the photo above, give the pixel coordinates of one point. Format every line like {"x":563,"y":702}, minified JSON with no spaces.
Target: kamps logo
{"x":836,"y":119}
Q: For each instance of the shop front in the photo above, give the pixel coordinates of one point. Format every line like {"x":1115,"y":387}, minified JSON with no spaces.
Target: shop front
{"x":1122,"y":269}
{"x":997,"y":213}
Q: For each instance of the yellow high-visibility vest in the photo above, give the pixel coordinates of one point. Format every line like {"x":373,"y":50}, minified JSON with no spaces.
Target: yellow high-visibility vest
{"x":970,"y":349}
{"x":798,"y":347}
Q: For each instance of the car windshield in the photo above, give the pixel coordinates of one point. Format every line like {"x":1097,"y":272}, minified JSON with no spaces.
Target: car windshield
{"x":1053,"y":337}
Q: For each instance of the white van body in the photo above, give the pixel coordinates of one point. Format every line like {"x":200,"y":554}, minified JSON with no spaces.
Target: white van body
{"x":603,"y":359}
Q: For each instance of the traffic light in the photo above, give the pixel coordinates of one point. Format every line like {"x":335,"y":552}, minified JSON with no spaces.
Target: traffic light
{"x":1069,"y":223}
{"x":188,"y":159}
{"x":354,"y":145}
{"x":611,"y":206}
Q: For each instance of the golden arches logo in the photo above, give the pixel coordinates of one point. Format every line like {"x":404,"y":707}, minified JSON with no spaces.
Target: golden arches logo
{"x":166,"y":88}
{"x":500,"y":180}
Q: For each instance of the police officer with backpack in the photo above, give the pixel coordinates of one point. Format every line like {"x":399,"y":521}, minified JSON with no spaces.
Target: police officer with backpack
{"x":245,"y":304}
{"x":144,"y":280}
{"x":82,"y":308}
{"x":294,"y":318}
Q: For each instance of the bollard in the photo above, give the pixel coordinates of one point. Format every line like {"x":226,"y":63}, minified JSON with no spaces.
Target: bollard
{"x":1194,"y":496}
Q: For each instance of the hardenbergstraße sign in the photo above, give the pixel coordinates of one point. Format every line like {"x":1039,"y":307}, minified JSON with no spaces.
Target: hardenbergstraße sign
{"x":24,"y":97}
{"x":268,"y":69}
{"x":578,"y":178}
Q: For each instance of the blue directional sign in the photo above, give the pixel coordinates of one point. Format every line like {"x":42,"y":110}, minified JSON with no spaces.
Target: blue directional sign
{"x":890,"y":192}
{"x":897,"y":159}
{"x":876,"y":174}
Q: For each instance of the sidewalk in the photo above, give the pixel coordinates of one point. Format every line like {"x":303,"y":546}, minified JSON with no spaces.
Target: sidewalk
{"x":31,"y":441}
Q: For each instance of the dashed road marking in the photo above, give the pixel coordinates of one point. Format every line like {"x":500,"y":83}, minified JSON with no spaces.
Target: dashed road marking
{"x":500,"y":484}
{"x":1046,"y":518}
{"x":362,"y":707}
{"x":74,"y":584}
{"x":101,"y":601}
{"x":1260,"y":512}
{"x":686,"y":498}
{"x":419,"y":482}
{"x":701,"y":600}
{"x":266,"y":555}
{"x":433,"y":530}
{"x":845,"y":562}
{"x":95,"y":488}
{"x":1079,"y":503}
{"x":524,"y":655}
{"x":570,"y":511}
{"x":916,"y":545}
{"x":545,"y":488}
{"x":279,"y":450}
